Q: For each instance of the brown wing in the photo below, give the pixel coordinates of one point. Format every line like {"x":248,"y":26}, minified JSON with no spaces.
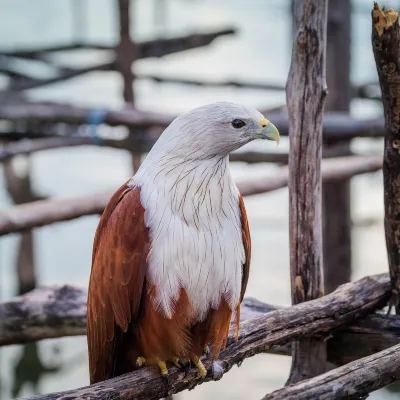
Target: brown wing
{"x":247,"y":246}
{"x":120,"y":248}
{"x":246,"y":266}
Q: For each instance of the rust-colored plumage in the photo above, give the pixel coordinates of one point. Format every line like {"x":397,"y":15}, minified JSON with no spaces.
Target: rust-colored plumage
{"x":122,"y":321}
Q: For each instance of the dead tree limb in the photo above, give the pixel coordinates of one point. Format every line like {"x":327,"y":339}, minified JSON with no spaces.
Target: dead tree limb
{"x":32,"y":215}
{"x":386,"y":46}
{"x":351,"y":381}
{"x":257,"y":335}
{"x":306,"y":91}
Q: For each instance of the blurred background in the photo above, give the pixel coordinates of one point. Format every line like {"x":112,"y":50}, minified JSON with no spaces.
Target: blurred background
{"x":252,"y":46}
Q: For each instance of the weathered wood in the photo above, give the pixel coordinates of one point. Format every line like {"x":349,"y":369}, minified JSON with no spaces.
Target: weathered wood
{"x":257,"y":335}
{"x":337,"y":125}
{"x":125,"y":51}
{"x":336,"y":210}
{"x":351,"y":381}
{"x":42,"y":314}
{"x":54,"y":312}
{"x":306,"y":91}
{"x":40,"y":213}
{"x":386,"y":46}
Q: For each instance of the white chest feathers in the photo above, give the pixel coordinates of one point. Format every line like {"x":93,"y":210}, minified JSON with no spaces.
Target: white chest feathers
{"x":192,"y":212}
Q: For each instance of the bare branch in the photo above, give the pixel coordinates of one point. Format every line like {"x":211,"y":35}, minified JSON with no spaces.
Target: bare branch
{"x":348,"y":382}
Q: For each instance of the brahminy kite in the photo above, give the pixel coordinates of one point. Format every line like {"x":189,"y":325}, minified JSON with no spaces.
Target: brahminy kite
{"x":171,"y":254}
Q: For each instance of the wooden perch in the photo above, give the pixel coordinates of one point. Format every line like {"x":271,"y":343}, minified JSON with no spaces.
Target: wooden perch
{"x":337,"y":125}
{"x":386,"y":46}
{"x":306,"y":91}
{"x":348,"y":382}
{"x":319,"y":316}
{"x":32,"y":215}
{"x":61,"y":311}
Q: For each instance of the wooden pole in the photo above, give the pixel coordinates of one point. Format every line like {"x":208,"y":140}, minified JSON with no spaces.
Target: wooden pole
{"x":386,"y":47}
{"x":126,"y":55}
{"x":306,"y":92}
{"x":336,"y":210}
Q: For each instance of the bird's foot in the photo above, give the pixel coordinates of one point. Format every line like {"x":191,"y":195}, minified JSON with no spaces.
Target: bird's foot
{"x":217,"y":371}
{"x":199,"y":365}
{"x":140,"y":362}
{"x":163,"y":370}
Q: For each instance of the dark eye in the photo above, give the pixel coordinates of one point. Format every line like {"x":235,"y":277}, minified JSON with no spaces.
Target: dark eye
{"x":238,"y":123}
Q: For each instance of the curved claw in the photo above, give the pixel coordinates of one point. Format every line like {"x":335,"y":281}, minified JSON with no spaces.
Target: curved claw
{"x":200,"y":367}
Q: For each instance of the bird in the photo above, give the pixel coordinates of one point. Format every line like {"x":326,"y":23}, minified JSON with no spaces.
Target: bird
{"x":171,"y":253}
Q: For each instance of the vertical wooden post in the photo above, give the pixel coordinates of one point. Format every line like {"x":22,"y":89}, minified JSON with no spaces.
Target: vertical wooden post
{"x":336,"y":210}
{"x":125,"y":50}
{"x":126,"y":55}
{"x":306,"y":92}
{"x":386,"y":47}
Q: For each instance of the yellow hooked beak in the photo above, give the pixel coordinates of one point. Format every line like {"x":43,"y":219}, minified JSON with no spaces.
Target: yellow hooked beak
{"x":269,"y":131}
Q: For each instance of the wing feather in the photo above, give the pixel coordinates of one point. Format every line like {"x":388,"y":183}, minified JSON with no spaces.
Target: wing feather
{"x":247,"y":247}
{"x":120,"y":248}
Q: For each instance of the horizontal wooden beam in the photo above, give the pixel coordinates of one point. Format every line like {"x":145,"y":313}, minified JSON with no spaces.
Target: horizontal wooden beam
{"x":35,"y":214}
{"x":276,"y":328}
{"x":336,"y":125}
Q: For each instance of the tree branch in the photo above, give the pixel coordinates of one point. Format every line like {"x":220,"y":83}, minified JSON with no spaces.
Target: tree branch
{"x":32,"y":215}
{"x":319,"y":316}
{"x":351,"y":381}
{"x":386,"y":46}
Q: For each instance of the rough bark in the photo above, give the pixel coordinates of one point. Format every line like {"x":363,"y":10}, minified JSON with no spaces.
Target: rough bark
{"x":336,"y":211}
{"x":45,"y":212}
{"x":257,"y":335}
{"x":352,"y":381}
{"x":386,"y":46}
{"x":306,"y":91}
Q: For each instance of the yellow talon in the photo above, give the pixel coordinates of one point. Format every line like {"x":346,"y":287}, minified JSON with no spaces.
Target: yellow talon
{"x":202,"y":370}
{"x":140,"y":362}
{"x":163,"y":368}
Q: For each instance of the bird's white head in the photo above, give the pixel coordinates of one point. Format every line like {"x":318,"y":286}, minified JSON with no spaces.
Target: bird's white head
{"x":215,"y":130}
